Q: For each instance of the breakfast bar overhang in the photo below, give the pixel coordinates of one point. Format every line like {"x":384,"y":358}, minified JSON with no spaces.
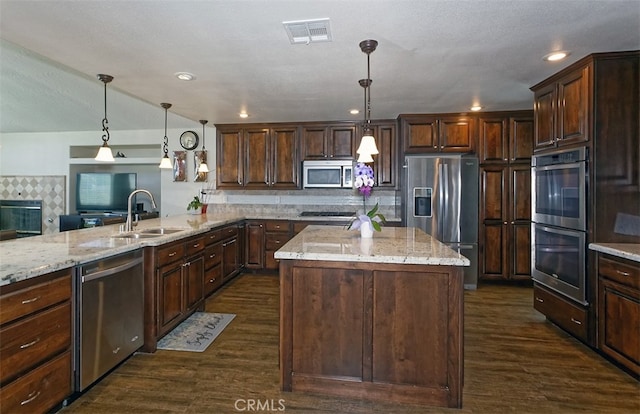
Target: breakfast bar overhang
{"x":378,"y":319}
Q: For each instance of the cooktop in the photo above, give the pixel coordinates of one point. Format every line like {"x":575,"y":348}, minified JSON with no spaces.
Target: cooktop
{"x":327,"y":214}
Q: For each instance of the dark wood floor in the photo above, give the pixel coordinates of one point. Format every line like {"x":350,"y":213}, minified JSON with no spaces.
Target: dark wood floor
{"x":515,"y":362}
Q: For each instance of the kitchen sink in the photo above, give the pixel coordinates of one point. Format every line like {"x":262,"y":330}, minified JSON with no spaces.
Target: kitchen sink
{"x":136,"y":235}
{"x":158,"y":231}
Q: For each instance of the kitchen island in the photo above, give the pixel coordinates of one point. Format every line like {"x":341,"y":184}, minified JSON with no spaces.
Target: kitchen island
{"x":378,"y":318}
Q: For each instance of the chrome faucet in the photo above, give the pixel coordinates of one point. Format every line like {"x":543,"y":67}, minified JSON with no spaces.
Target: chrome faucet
{"x":129,"y":224}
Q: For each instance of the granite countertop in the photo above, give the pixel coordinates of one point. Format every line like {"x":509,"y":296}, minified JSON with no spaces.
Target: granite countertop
{"x":630,"y":251}
{"x":28,"y":257}
{"x":406,"y":245}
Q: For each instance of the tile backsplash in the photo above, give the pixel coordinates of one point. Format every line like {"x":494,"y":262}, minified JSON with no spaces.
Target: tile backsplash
{"x":51,"y":189}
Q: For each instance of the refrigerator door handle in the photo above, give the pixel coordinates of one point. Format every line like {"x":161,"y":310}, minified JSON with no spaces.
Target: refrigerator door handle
{"x":440,"y":219}
{"x":444,"y":211}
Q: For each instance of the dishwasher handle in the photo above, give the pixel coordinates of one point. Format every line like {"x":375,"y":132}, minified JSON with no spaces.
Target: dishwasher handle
{"x":112,"y":270}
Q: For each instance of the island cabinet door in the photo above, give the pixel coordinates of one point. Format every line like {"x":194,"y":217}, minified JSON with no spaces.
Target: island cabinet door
{"x":327,"y":324}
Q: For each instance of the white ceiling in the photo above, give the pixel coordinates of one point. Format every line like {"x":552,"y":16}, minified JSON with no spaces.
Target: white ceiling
{"x":433,"y":56}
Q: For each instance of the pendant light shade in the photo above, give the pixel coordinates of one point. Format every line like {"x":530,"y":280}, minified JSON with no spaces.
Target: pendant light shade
{"x":104,"y":153}
{"x":203,"y":168}
{"x":368,"y":143}
{"x":165,"y":162}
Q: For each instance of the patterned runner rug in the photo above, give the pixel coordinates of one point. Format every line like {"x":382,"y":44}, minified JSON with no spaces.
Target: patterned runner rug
{"x":196,"y":333}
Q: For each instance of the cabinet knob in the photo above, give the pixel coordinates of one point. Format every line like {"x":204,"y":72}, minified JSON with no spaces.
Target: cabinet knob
{"x":212,"y":280}
{"x":505,"y":222}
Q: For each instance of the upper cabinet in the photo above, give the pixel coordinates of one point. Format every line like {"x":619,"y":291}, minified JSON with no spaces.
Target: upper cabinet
{"x":328,"y":141}
{"x":438,"y":133}
{"x":505,"y":137}
{"x":257,"y":156}
{"x":385,"y":165}
{"x":562,"y":109}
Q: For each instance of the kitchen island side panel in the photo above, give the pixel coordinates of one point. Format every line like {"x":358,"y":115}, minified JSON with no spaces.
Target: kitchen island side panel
{"x":395,"y":331}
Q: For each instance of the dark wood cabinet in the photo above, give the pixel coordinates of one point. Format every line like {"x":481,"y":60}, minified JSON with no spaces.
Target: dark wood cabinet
{"x":180,"y":282}
{"x":323,"y":141}
{"x":505,"y":149}
{"x":277,"y":233}
{"x":561,"y":311}
{"x":231,"y":256}
{"x":619,"y":310}
{"x":561,"y":108}
{"x":254,"y":244}
{"x":438,"y":133}
{"x":35,"y":351}
{"x":229,"y":157}
{"x":258,"y":156}
{"x":263,"y":238}
{"x":385,"y":164}
{"x":212,"y":262}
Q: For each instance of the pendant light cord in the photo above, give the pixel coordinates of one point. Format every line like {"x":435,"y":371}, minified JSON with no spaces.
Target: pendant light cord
{"x":105,"y":122}
{"x":165,"y":146}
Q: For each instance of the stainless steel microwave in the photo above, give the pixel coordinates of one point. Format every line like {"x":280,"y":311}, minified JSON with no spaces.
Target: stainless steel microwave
{"x":327,"y":174}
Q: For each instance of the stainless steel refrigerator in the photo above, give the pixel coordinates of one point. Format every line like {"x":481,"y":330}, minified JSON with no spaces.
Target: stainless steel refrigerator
{"x":441,"y":198}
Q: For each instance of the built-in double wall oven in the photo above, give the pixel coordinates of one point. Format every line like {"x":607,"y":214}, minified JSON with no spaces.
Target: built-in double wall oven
{"x":559,"y":222}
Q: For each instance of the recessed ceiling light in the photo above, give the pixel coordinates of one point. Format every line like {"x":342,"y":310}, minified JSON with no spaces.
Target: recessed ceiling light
{"x":244,"y":115}
{"x":476,"y":108}
{"x":555,"y":56}
{"x":185,"y":76}
{"x":354,"y":111}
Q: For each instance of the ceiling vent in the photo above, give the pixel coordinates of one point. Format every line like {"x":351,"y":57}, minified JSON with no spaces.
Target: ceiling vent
{"x":308,"y":31}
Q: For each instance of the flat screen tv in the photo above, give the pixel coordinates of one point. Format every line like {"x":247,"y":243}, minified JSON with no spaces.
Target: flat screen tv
{"x":104,"y":192}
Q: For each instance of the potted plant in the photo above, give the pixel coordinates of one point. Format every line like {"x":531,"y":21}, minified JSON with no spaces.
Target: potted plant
{"x":194,"y":204}
{"x":371,"y":220}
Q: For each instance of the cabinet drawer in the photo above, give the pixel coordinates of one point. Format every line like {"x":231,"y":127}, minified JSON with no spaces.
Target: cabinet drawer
{"x":624,"y":273}
{"x":214,"y":236}
{"x":194,"y":246}
{"x":568,"y":316}
{"x":170,"y":253}
{"x":275,"y":242}
{"x":25,"y":301}
{"x":213,"y":255}
{"x":33,"y":340}
{"x":39,"y":390}
{"x":277,"y":226}
{"x":212,"y":279}
{"x":229,"y":232}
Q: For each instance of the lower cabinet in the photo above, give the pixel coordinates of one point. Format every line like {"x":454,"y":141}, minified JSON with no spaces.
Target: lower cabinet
{"x":568,"y":315}
{"x":231,"y":253}
{"x":619,"y":311}
{"x":277,"y":233}
{"x":35,"y":346}
{"x":180,"y":282}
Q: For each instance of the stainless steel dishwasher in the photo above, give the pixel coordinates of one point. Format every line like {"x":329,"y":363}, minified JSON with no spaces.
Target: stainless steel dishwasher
{"x":110,"y":315}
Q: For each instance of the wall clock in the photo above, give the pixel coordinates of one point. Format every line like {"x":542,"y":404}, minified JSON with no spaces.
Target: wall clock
{"x":189,"y":140}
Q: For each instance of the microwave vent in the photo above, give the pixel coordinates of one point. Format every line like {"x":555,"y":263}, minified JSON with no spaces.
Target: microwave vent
{"x":308,"y":31}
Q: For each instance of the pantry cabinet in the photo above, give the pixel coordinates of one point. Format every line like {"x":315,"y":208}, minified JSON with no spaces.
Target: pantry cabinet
{"x":505,"y":149}
{"x":438,"y":133}
{"x":35,"y":351}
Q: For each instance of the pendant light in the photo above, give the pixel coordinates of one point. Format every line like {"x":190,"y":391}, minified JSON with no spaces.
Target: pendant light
{"x":203,"y":168}
{"x":166,"y":161}
{"x":367,"y":144}
{"x":104,"y":153}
